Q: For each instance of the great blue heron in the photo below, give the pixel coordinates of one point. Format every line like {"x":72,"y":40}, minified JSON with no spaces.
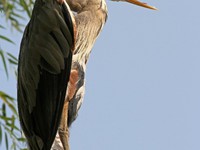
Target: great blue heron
{"x":54,"y":51}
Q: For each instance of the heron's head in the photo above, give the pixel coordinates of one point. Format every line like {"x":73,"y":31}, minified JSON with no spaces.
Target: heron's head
{"x":78,"y":5}
{"x":136,"y":2}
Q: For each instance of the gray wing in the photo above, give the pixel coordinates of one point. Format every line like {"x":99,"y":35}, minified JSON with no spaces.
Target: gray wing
{"x":43,"y":73}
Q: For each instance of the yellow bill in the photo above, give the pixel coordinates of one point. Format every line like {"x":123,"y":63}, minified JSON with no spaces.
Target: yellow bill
{"x":136,"y":2}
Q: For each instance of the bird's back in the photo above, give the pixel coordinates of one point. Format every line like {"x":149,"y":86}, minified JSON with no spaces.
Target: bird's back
{"x":43,"y":73}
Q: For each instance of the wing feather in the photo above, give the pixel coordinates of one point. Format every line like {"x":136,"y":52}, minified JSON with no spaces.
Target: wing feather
{"x":43,"y":73}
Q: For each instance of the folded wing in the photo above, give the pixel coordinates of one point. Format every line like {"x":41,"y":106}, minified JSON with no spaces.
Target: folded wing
{"x":43,"y":73}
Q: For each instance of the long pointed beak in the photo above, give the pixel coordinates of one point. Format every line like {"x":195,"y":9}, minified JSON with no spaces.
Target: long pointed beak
{"x":136,"y":2}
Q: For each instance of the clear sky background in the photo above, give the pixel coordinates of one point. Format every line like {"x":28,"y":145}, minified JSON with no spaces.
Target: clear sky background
{"x":142,"y":82}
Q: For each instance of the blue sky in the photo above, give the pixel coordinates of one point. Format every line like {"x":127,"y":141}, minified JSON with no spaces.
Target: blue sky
{"x":142,"y":82}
